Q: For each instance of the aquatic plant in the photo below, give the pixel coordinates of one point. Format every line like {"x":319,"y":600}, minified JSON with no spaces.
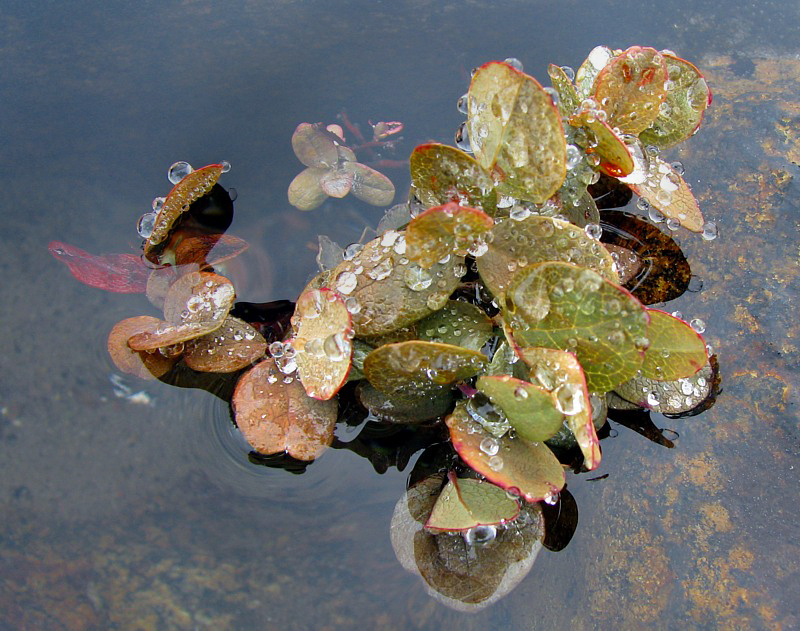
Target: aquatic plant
{"x":496,"y":307}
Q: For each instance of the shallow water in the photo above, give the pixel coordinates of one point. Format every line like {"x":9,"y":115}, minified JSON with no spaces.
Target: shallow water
{"x":138,"y":513}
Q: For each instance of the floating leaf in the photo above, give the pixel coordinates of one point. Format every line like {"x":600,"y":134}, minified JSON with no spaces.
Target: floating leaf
{"x":680,"y":115}
{"x":229,"y":348}
{"x":419,"y":366}
{"x":676,"y":351}
{"x":275,"y":415}
{"x":560,"y":305}
{"x":457,"y":570}
{"x":120,"y":273}
{"x":458,"y":323}
{"x":630,"y":88}
{"x":443,"y":230}
{"x":568,"y":100}
{"x":407,"y":406}
{"x":337,"y":182}
{"x":211,"y":249}
{"x":651,"y":265}
{"x":305,"y":191}
{"x":535,"y":239}
{"x":369,"y":185}
{"x":587,"y":73}
{"x":526,"y":468}
{"x":667,"y":397}
{"x":442,"y":174}
{"x":323,"y":331}
{"x":196,"y":304}
{"x":389,"y":292}
{"x":146,"y":365}
{"x":531,"y":410}
{"x":516,"y":133}
{"x":191,"y":188}
{"x":314,"y":146}
{"x":666,"y":190}
{"x":466,"y":503}
{"x":560,"y":373}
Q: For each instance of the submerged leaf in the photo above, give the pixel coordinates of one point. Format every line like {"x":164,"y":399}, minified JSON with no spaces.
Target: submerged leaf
{"x":385,"y":291}
{"x":314,"y":146}
{"x":530,"y":409}
{"x":369,"y":185}
{"x":191,"y":188}
{"x":560,"y":373}
{"x":120,"y":273}
{"x":442,"y":174}
{"x":666,"y":190}
{"x":336,"y":182}
{"x":458,"y":569}
{"x":305,"y":190}
{"x":322,"y":339}
{"x":680,"y":115}
{"x":275,"y":415}
{"x":444,"y":230}
{"x":630,"y":88}
{"x":676,"y":350}
{"x":419,"y":366}
{"x":143,"y":364}
{"x":211,"y":249}
{"x":516,"y":133}
{"x":560,"y":305}
{"x":407,"y":406}
{"x":465,"y":503}
{"x":652,"y":266}
{"x":231,"y":347}
{"x":536,"y":239}
{"x":526,"y":468}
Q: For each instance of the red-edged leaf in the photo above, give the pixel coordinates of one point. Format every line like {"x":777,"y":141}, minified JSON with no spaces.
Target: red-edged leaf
{"x":120,"y":273}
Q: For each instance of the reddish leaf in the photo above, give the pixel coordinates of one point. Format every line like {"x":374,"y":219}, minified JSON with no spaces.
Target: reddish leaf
{"x":146,"y":365}
{"x":276,"y":416}
{"x":120,"y":273}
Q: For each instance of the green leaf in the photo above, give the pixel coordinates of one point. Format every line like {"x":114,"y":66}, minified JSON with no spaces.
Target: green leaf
{"x":387,"y":290}
{"x":665,"y":189}
{"x":369,"y":185}
{"x":305,"y":190}
{"x":336,"y":182}
{"x":419,"y":366}
{"x":276,"y":416}
{"x":314,"y":146}
{"x":466,"y":503}
{"x":323,"y":331}
{"x":560,"y":373}
{"x":568,"y":100}
{"x":667,"y":397}
{"x":528,"y":469}
{"x":530,"y":409}
{"x":444,"y":230}
{"x":442,"y":174}
{"x":458,"y":323}
{"x":536,"y":239}
{"x":676,"y":351}
{"x":563,"y":306}
{"x":407,"y":406}
{"x":630,"y":88}
{"x":516,"y":133}
{"x":680,"y":115}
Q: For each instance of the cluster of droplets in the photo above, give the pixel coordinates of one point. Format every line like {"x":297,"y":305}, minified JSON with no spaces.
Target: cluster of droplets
{"x":284,"y":354}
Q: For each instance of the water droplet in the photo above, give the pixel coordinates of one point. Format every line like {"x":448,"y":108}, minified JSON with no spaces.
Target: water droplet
{"x":462,"y":138}
{"x":381,"y":270}
{"x":551,"y":498}
{"x":569,"y":399}
{"x":178,"y":171}
{"x":145,"y":225}
{"x":490,"y":446}
{"x":158,"y":203}
{"x":514,"y":63}
{"x":417,"y":278}
{"x":673,"y":224}
{"x":698,"y":325}
{"x":520,"y":393}
{"x":709,"y":231}
{"x":480,"y":535}
{"x":226,"y":166}
{"x":593,"y":231}
{"x":652,"y":398}
{"x":462,"y":103}
{"x":495,"y":463}
{"x":346,"y":282}
{"x":569,"y":72}
{"x":574,"y":156}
